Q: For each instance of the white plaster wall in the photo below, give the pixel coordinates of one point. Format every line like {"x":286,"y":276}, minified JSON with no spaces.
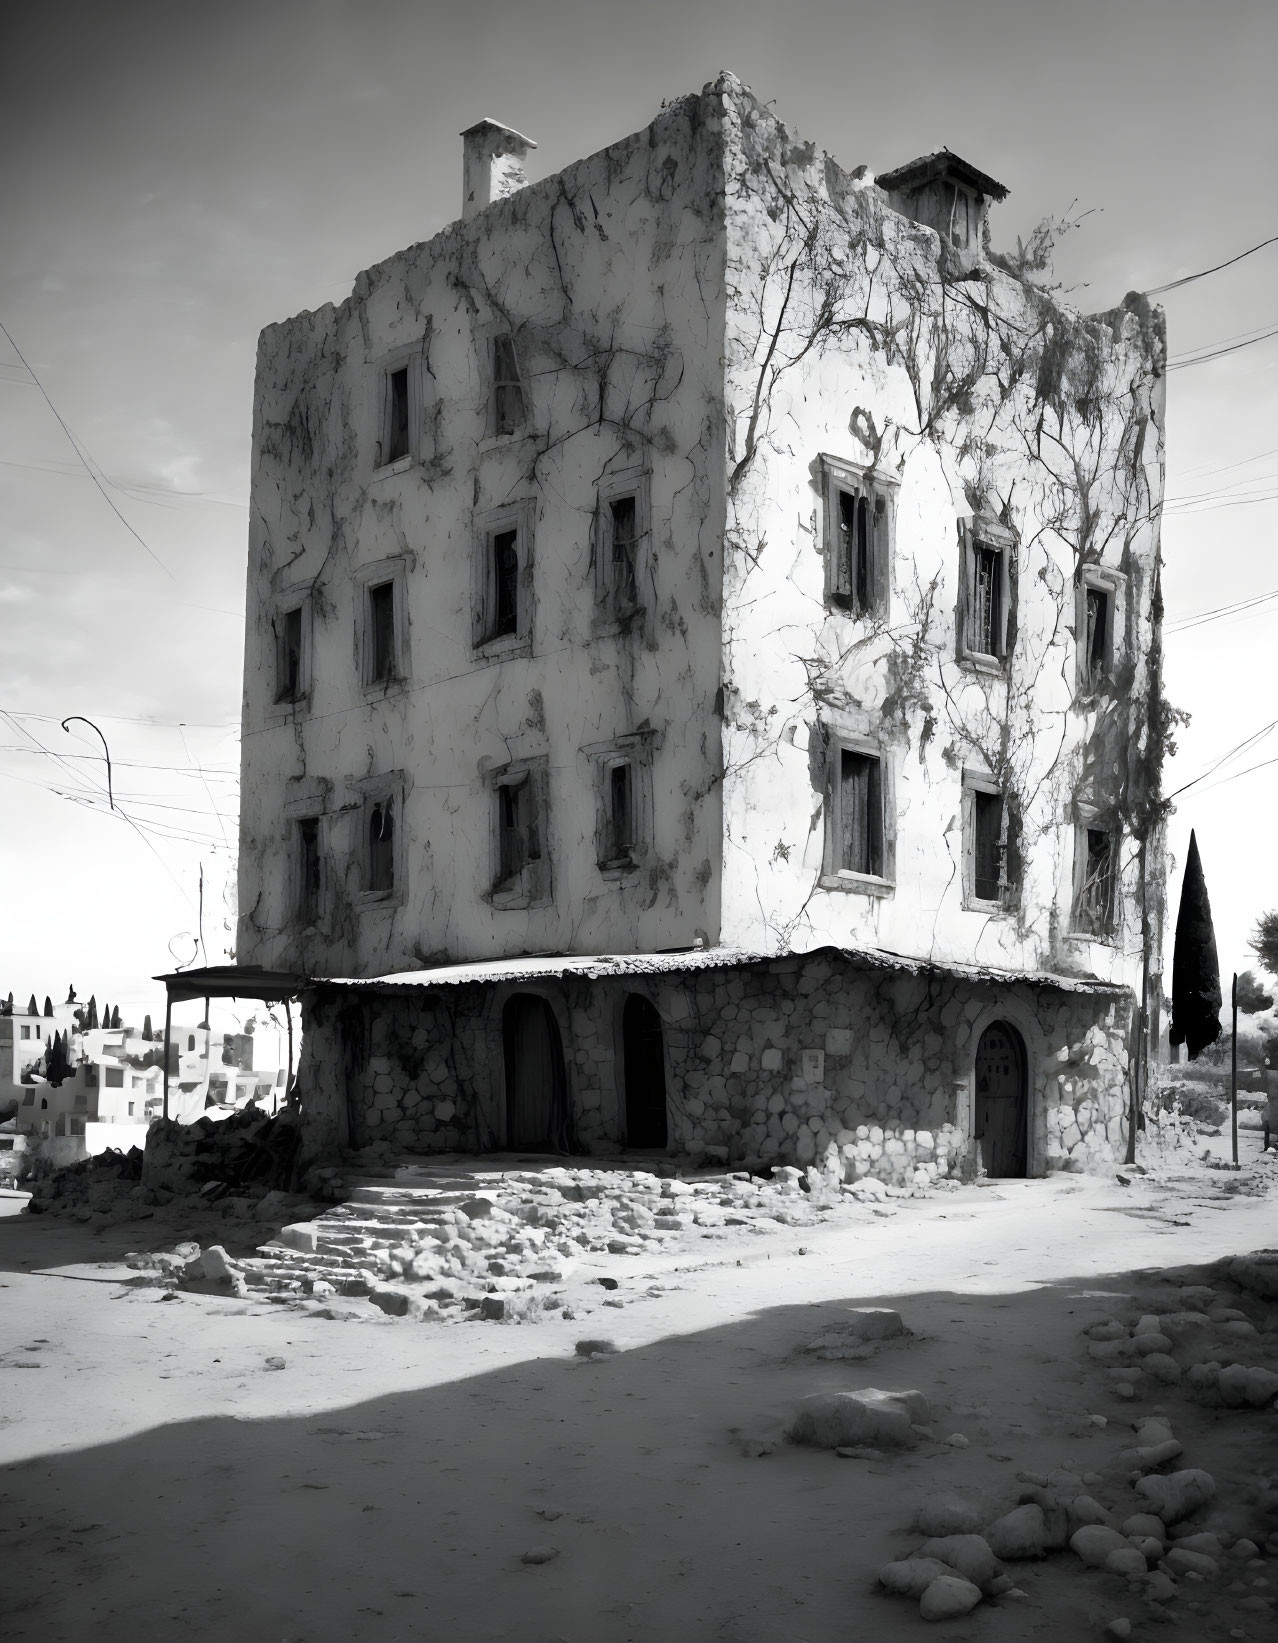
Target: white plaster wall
{"x":611,"y":277}
{"x":790,"y":662}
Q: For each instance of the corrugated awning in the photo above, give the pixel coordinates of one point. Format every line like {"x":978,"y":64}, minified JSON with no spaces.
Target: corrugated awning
{"x":233,"y":981}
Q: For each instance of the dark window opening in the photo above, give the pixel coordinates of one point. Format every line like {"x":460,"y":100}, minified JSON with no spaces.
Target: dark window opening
{"x":619,"y":842}
{"x":852,"y":577}
{"x":1096,"y":645}
{"x":625,"y":526}
{"x":308,"y":869}
{"x":508,"y":393}
{"x":288,"y":640}
{"x":518,"y":835}
{"x":396,"y":415}
{"x":1095,"y":910}
{"x":987,"y":851}
{"x":987,"y":595}
{"x":860,"y":814}
{"x":190,"y":1041}
{"x":505,"y":551}
{"x":381,"y":847}
{"x":381,"y":633}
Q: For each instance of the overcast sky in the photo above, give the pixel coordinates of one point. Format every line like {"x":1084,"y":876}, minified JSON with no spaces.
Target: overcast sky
{"x":175,"y":176}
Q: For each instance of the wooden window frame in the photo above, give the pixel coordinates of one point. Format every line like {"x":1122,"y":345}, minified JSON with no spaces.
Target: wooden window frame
{"x":530,"y":885}
{"x":407,"y":358}
{"x":367,"y":577}
{"x":489,"y":526}
{"x":1106,"y":929}
{"x":841,"y":478}
{"x":1113,"y":584}
{"x":974,"y":534}
{"x":615,"y":603}
{"x":308,"y":912}
{"x":834,"y":876}
{"x":1011,"y":865}
{"x":496,"y":336}
{"x":633,"y":751}
{"x":371,"y":791}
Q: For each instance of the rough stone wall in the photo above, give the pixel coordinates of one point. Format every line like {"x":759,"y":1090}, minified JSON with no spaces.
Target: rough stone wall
{"x":857,"y":333}
{"x":808,"y":1060}
{"x":609,"y":277}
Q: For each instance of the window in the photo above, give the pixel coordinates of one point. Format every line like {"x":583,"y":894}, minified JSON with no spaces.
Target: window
{"x":307,"y":837}
{"x":621,"y":531}
{"x":1095,"y":879}
{"x":987,"y":592}
{"x":381,"y":632}
{"x":503,"y":579}
{"x":288,"y":655}
{"x":113,"y":1077}
{"x":90,"y":1077}
{"x":130,"y":1109}
{"x":379,"y":858}
{"x":521,"y":875}
{"x":507,"y":413}
{"x":1099,"y":591}
{"x":190,"y":1041}
{"x":991,"y":845}
{"x":398,"y":408}
{"x":858,"y":539}
{"x":383,"y":648}
{"x":37,"y":1032}
{"x":860,"y":839}
{"x":25,"y":1032}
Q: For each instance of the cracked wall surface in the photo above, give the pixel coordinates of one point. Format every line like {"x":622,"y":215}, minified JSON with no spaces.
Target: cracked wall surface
{"x":856,"y":333}
{"x":609,"y":278}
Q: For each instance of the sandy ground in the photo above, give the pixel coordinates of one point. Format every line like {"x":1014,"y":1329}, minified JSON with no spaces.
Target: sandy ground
{"x":162,"y":1481}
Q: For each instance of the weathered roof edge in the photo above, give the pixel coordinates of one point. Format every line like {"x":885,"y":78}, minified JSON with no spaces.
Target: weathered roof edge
{"x":936,"y":164}
{"x":604,"y":965}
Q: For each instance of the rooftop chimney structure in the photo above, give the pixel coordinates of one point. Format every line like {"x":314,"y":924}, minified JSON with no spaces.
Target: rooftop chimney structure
{"x":492,"y":164}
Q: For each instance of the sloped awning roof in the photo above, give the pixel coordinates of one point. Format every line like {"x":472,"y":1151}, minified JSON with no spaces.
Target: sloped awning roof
{"x":233,"y":981}
{"x":942,"y":163}
{"x":603,"y":966}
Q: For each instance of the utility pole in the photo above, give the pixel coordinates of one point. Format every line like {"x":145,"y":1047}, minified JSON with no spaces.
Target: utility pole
{"x":1233,"y":1072}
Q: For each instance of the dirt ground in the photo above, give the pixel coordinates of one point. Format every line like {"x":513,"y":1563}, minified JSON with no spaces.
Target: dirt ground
{"x":193,"y":1466}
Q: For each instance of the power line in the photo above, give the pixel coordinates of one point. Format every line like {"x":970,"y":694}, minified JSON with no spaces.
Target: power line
{"x":1214,"y":352}
{"x":1211,"y":770}
{"x":88,"y":468}
{"x":1188,"y":279}
{"x":1182,"y":623}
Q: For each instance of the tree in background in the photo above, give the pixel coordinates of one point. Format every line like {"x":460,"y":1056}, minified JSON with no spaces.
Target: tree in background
{"x":1252,"y":997}
{"x":32,"y":1007}
{"x":91,"y":1012}
{"x":57,"y":1061}
{"x":115,"y":1016}
{"x":147,"y":1033}
{"x":106,"y":1015}
{"x":1264,"y":941}
{"x":48,"y":1005}
{"x":1196,"y":996}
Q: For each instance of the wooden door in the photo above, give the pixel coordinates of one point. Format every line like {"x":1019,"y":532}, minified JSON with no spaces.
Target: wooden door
{"x":1002,"y":1100}
{"x":644,"y":1068}
{"x":536,"y":1086}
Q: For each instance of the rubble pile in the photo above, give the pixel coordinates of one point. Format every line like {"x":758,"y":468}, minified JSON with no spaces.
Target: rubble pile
{"x":234,"y":1163}
{"x":432,"y":1239}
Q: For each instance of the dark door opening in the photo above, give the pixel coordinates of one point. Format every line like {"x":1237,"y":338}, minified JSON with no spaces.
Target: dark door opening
{"x":1001,"y":1085}
{"x":644,"y":1070}
{"x":536,"y":1084}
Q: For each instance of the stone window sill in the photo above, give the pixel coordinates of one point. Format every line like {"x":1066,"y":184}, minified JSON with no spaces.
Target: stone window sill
{"x":979,"y":663}
{"x":504,"y":649}
{"x":859,"y":884}
{"x":1107,"y":938}
{"x":400,"y":465}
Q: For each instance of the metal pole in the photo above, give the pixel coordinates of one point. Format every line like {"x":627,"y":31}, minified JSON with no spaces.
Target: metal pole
{"x":1233,"y":1073}
{"x":168,"y":1027}
{"x":288,"y":1016}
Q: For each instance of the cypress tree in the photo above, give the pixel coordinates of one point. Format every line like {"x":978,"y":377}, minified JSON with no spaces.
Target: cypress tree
{"x":115,"y":1016}
{"x":32,"y":1007}
{"x":1196,"y":997}
{"x":146,"y":1028}
{"x":48,"y":1005}
{"x":91,"y":1020}
{"x":106,"y":1015}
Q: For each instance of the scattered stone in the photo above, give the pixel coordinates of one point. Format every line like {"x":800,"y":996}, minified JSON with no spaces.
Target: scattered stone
{"x":1151,"y":1456}
{"x":1144,"y":1525}
{"x":875,"y":1323}
{"x":301,"y":1235}
{"x":216,"y":1265}
{"x":1162,"y":1367}
{"x":1182,"y":1562}
{"x":494,"y":1308}
{"x":970,"y":1555}
{"x":956,"y":1440}
{"x":540,"y":1554}
{"x":1121,"y":1627}
{"x":1094,"y":1542}
{"x":1203,"y":1375}
{"x":948,"y":1596}
{"x":1203,"y":1541}
{"x":948,"y":1515}
{"x":274,"y":1363}
{"x":1159,"y":1587}
{"x":394,"y":1302}
{"x":1241,"y":1385}
{"x":911,"y":1576}
{"x":1083,"y":1510}
{"x":1244,"y":1550}
{"x":1258,"y":1273}
{"x":1147,"y":1344}
{"x":1125,"y":1560}
{"x":1108,"y":1330}
{"x":1178,"y":1494}
{"x":833,"y":1420}
{"x":594,"y":1349}
{"x":1019,"y":1534}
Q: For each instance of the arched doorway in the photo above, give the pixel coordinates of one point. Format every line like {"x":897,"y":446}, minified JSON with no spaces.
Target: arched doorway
{"x":644,"y":1071}
{"x":1001,"y":1098}
{"x":536,"y":1085}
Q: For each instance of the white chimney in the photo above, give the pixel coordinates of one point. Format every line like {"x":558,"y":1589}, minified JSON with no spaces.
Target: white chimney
{"x":492,"y":164}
